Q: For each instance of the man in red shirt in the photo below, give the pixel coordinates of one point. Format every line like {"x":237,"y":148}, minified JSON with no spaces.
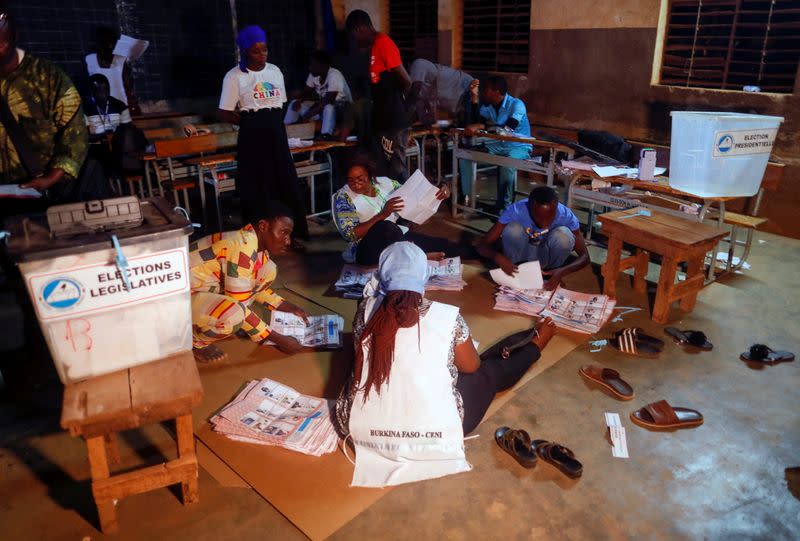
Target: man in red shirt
{"x":390,"y":84}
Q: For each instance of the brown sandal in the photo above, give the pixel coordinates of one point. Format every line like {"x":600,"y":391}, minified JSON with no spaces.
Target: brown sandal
{"x":516,"y":443}
{"x":608,"y":379}
{"x":662,"y":416}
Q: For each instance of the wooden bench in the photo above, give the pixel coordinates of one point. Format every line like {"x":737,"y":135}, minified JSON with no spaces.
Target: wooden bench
{"x":675,"y":239}
{"x":98,"y":408}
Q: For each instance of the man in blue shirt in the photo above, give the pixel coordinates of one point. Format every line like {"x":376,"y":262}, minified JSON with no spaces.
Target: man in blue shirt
{"x":537,"y":229}
{"x":505,"y":111}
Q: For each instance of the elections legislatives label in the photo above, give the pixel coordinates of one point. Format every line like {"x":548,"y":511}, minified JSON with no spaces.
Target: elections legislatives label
{"x":69,"y":292}
{"x":736,"y":143}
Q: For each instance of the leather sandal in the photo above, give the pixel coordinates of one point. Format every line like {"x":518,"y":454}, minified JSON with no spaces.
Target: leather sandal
{"x":516,"y":443}
{"x":662,"y":416}
{"x":608,"y":379}
{"x":560,"y":457}
{"x":759,"y":353}
{"x":690,"y":339}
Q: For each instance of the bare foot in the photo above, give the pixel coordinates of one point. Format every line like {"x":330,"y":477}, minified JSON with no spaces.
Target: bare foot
{"x":434,"y":256}
{"x":209,"y":354}
{"x":546,"y":330}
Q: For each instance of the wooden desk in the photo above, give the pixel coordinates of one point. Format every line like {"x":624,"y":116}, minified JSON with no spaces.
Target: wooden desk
{"x":677,"y":240}
{"x":477,"y":156}
{"x":98,"y":408}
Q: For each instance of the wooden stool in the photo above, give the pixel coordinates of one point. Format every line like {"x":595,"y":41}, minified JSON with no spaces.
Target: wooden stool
{"x":676,"y":239}
{"x":99,"y":407}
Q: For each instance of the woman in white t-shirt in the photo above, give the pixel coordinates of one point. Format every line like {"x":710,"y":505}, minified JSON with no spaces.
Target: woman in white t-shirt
{"x":253,"y":94}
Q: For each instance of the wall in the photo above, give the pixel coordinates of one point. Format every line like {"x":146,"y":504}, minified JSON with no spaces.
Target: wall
{"x":191,"y":43}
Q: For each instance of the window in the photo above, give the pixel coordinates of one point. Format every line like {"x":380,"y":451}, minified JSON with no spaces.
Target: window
{"x":730,"y":44}
{"x":413,"y":25}
{"x":496,"y":35}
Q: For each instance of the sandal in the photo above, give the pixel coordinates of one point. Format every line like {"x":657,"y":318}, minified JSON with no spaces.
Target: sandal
{"x":759,"y":353}
{"x":560,"y":457}
{"x":516,"y":443}
{"x":661,"y":415}
{"x":609,"y":379}
{"x":634,"y":341}
{"x":693,"y":339}
{"x":209,"y":354}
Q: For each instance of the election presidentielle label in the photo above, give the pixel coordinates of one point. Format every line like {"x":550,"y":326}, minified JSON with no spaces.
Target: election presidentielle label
{"x":739,"y":142}
{"x":83,"y":290}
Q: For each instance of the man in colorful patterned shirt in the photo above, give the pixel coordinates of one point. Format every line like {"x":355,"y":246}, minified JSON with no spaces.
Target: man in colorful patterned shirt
{"x":231,"y":274}
{"x":47,"y":109}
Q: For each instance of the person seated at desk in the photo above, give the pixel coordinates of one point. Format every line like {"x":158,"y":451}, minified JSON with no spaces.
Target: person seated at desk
{"x":498,"y":109}
{"x":326,"y":95}
{"x":115,"y":67}
{"x":366,"y":216}
{"x":538,"y":228}
{"x":435,"y":87}
{"x":104,"y":113}
{"x":411,"y":351}
{"x":231,"y":274}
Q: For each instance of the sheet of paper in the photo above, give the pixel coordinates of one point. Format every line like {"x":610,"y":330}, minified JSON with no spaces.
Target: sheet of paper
{"x":580,"y":166}
{"x":131,"y":48}
{"x":14,"y":191}
{"x":618,"y":439}
{"x":419,"y":198}
{"x":528,"y":276}
{"x":605,"y":171}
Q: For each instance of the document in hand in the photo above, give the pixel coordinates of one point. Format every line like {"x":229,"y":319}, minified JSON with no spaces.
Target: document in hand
{"x":528,"y":276}
{"x":419,"y":198}
{"x":322,"y":331}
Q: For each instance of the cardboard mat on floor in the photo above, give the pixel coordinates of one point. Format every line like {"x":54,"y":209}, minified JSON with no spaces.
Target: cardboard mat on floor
{"x":315,"y":493}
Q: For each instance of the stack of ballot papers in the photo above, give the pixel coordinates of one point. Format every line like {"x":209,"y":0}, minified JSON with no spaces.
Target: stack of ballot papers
{"x":578,"y":312}
{"x":419,"y":198}
{"x":445,"y":275}
{"x":321,"y":332}
{"x":268,"y":413}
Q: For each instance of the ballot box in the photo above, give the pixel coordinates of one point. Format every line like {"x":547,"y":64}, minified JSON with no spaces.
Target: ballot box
{"x":109,"y":282}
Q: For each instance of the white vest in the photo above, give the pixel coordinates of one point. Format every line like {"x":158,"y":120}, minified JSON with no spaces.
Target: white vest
{"x":412,"y":430}
{"x":113,"y":73}
{"x":367,"y":207}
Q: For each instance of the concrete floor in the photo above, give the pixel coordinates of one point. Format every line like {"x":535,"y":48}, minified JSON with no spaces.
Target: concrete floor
{"x":723,"y":480}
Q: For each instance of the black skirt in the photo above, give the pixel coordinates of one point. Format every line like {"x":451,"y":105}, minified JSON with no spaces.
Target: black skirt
{"x":266,"y":169}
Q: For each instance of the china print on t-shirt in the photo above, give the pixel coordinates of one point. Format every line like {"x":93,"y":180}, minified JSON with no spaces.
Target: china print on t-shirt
{"x":267,"y":95}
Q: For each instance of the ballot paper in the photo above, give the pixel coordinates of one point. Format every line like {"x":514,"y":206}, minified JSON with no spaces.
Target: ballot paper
{"x":445,"y":275}
{"x":131,"y":48}
{"x":268,"y":413}
{"x":578,"y":312}
{"x":617,"y":431}
{"x":322,"y":331}
{"x":605,"y":171}
{"x":14,"y":191}
{"x":419,"y":198}
{"x":528,"y":276}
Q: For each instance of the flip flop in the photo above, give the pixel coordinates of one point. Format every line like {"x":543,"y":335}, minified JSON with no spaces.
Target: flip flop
{"x":609,"y":379}
{"x":692,"y":339}
{"x":759,"y":353}
{"x":661,"y":416}
{"x":634,"y":341}
{"x":516,"y":443}
{"x":560,"y":457}
{"x":209,"y":355}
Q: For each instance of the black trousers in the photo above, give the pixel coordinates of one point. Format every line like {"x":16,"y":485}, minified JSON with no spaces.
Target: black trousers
{"x":266,"y":169}
{"x":494,"y":375}
{"x":384,"y":233}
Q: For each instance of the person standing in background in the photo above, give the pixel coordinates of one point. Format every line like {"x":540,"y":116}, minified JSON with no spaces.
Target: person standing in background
{"x":114,"y":67}
{"x":253,"y":94}
{"x":390,"y":83}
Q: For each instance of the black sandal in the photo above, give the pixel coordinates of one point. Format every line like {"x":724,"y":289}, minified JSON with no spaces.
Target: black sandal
{"x":693,"y":339}
{"x":516,"y":443}
{"x":634,"y":341}
{"x":560,"y":457}
{"x":759,"y":353}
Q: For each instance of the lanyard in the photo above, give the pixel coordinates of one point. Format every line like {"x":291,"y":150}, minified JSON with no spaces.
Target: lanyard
{"x":379,"y":196}
{"x":104,"y":116}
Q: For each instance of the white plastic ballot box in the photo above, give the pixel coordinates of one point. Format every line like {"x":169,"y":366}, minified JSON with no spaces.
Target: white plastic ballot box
{"x":94,"y":320}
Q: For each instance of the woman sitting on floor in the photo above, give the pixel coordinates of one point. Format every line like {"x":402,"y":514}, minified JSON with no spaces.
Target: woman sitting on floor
{"x":366,"y":215}
{"x":418,"y":385}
